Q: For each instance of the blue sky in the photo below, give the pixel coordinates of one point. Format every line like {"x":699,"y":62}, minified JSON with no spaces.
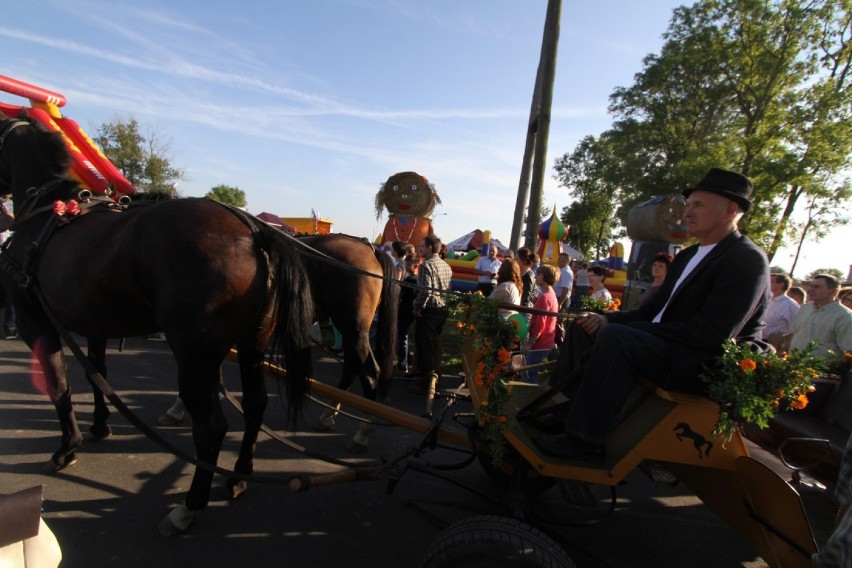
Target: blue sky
{"x":312,"y":104}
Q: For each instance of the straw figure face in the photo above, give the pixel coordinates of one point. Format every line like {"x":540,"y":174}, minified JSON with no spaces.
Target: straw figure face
{"x":407,"y":194}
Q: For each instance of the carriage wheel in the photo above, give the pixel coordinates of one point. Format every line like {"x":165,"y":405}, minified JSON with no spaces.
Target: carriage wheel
{"x":494,"y":542}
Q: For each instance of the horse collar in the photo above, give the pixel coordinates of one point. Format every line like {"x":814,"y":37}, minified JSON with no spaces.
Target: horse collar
{"x":10,"y":126}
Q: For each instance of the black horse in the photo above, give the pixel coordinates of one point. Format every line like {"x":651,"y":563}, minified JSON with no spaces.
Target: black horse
{"x":207,"y":275}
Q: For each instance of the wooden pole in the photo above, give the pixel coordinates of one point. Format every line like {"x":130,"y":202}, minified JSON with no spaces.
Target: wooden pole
{"x":547,"y":72}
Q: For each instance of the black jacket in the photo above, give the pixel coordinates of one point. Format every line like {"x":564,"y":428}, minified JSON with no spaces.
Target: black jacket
{"x":724,"y":297}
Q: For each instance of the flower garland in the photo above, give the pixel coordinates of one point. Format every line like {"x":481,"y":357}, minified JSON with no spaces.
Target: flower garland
{"x":751,"y":386}
{"x":493,"y":337}
{"x":590,"y":304}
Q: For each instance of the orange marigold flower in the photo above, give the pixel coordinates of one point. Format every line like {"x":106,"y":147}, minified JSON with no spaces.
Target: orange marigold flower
{"x":460,"y":324}
{"x":799,"y":402}
{"x":502,"y":419}
{"x":504,"y":356}
{"x":748,"y":365}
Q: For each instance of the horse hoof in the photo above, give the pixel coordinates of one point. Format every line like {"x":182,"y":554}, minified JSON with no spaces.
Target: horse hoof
{"x":235,"y":488}
{"x":177,"y":521}
{"x":93,"y":436}
{"x":52,"y":466}
{"x":356,"y":447}
{"x":169,"y":419}
{"x":322,"y":426}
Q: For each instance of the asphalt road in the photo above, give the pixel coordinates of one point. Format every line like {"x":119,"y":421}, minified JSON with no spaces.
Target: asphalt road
{"x":105,"y":509}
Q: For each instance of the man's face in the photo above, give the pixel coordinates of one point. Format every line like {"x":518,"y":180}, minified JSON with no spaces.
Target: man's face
{"x":775,"y":287}
{"x":563,"y":261}
{"x":706,"y":213}
{"x":492,"y":252}
{"x":819,"y":293}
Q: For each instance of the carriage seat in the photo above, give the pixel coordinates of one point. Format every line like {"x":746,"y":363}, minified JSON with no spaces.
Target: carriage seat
{"x":828,"y":416}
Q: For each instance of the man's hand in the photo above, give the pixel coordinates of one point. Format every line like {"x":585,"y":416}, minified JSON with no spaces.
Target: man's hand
{"x":591,"y":323}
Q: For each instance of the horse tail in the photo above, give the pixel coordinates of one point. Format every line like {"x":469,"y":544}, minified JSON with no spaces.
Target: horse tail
{"x":387,"y":324}
{"x":293,"y":313}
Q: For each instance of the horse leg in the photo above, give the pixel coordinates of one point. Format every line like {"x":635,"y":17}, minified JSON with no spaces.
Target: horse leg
{"x":255,"y":399}
{"x":99,"y":430}
{"x":198,"y":377}
{"x":48,"y":351}
{"x":325,"y":422}
{"x":368,"y":372}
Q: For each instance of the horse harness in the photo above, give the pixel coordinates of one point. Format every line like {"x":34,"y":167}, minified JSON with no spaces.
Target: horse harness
{"x":63,"y":214}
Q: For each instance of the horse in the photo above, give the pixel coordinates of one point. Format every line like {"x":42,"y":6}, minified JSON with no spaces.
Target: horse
{"x":208,"y":275}
{"x":351,"y":281}
{"x":702,"y":445}
{"x":351,"y":298}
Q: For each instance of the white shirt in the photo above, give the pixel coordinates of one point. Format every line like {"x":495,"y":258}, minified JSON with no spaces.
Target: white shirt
{"x":566,"y":280}
{"x":830,"y":326}
{"x":779,"y":315}
{"x":492,"y":266}
{"x":690,"y":266}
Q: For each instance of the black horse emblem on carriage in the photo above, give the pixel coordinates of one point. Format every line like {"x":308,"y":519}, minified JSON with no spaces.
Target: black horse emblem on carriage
{"x":702,"y":444}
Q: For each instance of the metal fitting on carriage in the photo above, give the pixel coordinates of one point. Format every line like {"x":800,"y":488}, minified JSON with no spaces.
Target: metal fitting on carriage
{"x":84,"y":195}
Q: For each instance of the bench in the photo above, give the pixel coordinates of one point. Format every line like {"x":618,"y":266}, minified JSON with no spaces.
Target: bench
{"x":828,"y":416}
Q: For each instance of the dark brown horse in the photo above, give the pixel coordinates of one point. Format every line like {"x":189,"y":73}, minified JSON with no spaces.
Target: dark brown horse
{"x":351,"y":298}
{"x":208,"y":276}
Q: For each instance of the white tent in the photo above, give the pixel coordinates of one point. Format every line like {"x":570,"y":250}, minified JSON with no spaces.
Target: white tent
{"x":473,"y":241}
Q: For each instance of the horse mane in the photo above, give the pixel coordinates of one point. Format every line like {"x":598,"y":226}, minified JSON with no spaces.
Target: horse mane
{"x":153,"y":195}
{"x":51,"y":152}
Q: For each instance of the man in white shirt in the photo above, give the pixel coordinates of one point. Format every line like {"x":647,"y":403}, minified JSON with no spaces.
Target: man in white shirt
{"x":562,"y":289}
{"x":823,"y":319}
{"x":781,"y":311}
{"x":563,"y":286}
{"x":486,"y":268}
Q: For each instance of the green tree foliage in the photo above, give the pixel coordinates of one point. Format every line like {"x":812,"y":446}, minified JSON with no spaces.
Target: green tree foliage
{"x":144,"y":161}
{"x":591,"y":216}
{"x":228,"y":194}
{"x":760,"y":87}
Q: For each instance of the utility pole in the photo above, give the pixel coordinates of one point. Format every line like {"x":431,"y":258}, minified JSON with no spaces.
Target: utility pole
{"x":538,"y":129}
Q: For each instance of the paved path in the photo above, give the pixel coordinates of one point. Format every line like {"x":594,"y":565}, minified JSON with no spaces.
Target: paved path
{"x":105,"y":509}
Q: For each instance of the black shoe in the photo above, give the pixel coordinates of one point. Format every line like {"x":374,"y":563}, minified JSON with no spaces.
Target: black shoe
{"x":565,"y":447}
{"x":550,"y":419}
{"x":552,"y":423}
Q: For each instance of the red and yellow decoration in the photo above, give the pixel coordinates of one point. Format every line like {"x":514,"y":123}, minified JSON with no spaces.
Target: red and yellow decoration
{"x":551,"y":233}
{"x":87,"y":164}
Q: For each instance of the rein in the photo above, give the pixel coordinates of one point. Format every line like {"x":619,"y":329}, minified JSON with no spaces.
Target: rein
{"x":96,"y":379}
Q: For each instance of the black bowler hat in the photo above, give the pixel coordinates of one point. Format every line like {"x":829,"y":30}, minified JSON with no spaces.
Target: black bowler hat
{"x":732,"y":185}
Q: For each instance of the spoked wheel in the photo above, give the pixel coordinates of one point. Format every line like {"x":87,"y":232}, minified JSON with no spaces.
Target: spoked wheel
{"x":490,"y":541}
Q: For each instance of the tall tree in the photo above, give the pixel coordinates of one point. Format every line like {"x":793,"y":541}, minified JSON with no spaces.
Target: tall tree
{"x":144,"y":161}
{"x":228,"y":194}
{"x":761,"y":87}
{"x":591,"y":215}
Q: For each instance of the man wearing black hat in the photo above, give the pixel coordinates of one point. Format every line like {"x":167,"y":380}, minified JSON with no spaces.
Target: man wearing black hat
{"x":714,"y":290}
